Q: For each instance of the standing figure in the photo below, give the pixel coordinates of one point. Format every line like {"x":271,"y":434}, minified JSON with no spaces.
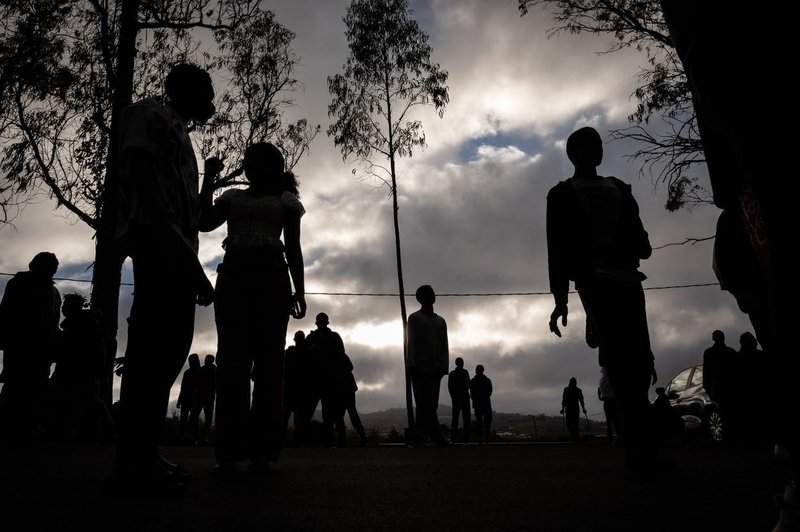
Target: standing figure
{"x":605,"y":392}
{"x":158,"y":228}
{"x":253,"y":303}
{"x":596,"y":239}
{"x":720,"y":379}
{"x":293,"y":375}
{"x":186,"y":396}
{"x":29,"y":314}
{"x":348,"y":388}
{"x":571,"y":406}
{"x":458,"y":386}
{"x":327,"y":368}
{"x":205,"y":394}
{"x":79,"y":411}
{"x":427,"y":363}
{"x":481,"y":388}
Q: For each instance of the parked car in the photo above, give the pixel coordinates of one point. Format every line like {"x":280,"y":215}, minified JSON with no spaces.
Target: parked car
{"x":690,"y":400}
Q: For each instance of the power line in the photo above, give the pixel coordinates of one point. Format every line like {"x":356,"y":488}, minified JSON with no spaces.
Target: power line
{"x":389,"y":294}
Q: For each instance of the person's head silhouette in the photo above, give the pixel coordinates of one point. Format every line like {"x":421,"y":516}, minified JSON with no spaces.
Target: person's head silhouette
{"x":425,"y":295}
{"x":189,"y":90}
{"x":479,"y":369}
{"x":194,"y":360}
{"x":718,"y":336}
{"x":322,"y":320}
{"x":585,"y":148}
{"x":209,"y":360}
{"x":72,"y":305}
{"x":459,"y":362}
{"x":748,"y":342}
{"x":44,"y":263}
{"x":265,"y":168}
{"x":573,"y":381}
{"x":299,"y":336}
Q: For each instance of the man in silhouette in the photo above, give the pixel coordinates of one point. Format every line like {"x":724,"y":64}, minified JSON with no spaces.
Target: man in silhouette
{"x":719,"y":375}
{"x":596,"y":239}
{"x":293,"y":378}
{"x":348,"y":388}
{"x":666,"y":422}
{"x":186,"y":395}
{"x":605,"y":392}
{"x":481,"y":388}
{"x":29,"y":314}
{"x":571,"y":406}
{"x":458,"y":386}
{"x":80,"y":412}
{"x":158,"y":229}
{"x":327,"y":364}
{"x":427,"y":363}
{"x":205,"y":395}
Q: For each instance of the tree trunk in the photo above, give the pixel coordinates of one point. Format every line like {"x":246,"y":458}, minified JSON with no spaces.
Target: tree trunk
{"x":108,"y":259}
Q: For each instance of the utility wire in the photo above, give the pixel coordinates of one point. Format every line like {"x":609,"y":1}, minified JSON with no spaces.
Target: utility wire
{"x":388,"y":294}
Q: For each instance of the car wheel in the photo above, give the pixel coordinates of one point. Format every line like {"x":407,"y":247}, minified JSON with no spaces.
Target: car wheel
{"x":715,"y":426}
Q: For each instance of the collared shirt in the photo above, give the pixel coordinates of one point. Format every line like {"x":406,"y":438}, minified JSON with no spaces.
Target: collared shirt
{"x":157,"y":129}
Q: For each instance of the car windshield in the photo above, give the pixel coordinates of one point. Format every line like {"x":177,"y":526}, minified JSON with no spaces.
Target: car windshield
{"x":679,"y":382}
{"x":697,"y":376}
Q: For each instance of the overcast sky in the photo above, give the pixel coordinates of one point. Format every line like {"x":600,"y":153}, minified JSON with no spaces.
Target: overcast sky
{"x":472,"y":212}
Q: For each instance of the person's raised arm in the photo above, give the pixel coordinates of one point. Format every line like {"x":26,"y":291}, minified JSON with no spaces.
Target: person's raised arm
{"x":211,"y":215}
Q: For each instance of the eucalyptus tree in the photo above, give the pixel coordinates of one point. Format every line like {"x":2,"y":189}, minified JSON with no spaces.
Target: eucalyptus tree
{"x":387,"y":75}
{"x":67,"y":69}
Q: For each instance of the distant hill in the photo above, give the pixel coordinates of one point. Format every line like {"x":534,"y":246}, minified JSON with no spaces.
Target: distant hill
{"x":506,"y":425}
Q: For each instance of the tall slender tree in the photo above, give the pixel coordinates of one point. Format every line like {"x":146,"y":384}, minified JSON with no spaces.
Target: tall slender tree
{"x":67,"y":69}
{"x":388,"y":74}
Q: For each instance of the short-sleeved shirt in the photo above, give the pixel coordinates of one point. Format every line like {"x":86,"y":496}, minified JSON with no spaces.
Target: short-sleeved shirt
{"x":256,"y":220}
{"x":428,"y":349}
{"x":157,"y":129}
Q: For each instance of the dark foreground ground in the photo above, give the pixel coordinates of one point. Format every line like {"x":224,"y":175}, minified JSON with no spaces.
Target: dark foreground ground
{"x":503,"y":487}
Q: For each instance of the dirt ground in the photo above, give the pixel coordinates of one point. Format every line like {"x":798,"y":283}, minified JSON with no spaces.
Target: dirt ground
{"x":503,"y":487}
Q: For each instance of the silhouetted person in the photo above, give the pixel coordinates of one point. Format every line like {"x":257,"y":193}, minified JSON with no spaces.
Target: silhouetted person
{"x":605,"y":392}
{"x":736,"y":99}
{"x":348,"y":388}
{"x":29,"y":314}
{"x":158,"y":229}
{"x":427,"y":362}
{"x":205,"y":394}
{"x":186,"y":395}
{"x":752,"y":390}
{"x":666,"y":422}
{"x":596,"y":239}
{"x":78,"y":409}
{"x":481,"y":388}
{"x":458,"y":386}
{"x":571,"y":406}
{"x":294,"y":374}
{"x":253,"y":303}
{"x":720,"y":374}
{"x":327,"y":370}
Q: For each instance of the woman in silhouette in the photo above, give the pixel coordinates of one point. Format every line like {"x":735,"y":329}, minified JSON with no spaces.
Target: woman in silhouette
{"x":253,"y":302}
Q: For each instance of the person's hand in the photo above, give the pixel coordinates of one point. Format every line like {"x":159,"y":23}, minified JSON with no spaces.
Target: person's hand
{"x":213,"y":166}
{"x":298,"y":309}
{"x":560,"y":311}
{"x":654,"y":375}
